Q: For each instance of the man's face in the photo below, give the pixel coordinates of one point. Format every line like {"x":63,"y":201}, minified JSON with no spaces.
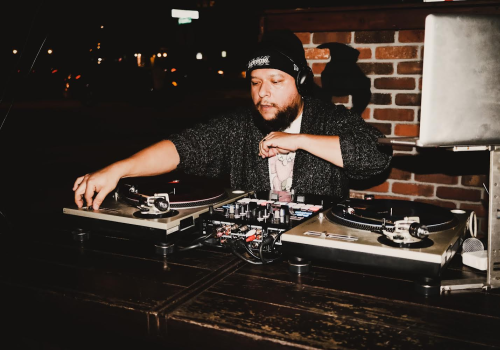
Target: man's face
{"x":275,"y":96}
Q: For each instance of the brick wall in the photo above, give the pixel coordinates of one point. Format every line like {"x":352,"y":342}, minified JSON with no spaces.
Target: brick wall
{"x":393,"y":61}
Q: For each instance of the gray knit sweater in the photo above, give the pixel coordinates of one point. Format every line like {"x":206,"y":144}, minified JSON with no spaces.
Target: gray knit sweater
{"x":230,"y":144}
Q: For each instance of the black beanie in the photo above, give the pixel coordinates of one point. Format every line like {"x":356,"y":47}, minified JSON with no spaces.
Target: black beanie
{"x":279,"y":49}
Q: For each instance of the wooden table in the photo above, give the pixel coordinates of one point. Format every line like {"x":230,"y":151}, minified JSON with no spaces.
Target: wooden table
{"x":58,"y":293}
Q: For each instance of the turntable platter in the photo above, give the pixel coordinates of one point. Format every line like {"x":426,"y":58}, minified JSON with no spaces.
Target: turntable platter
{"x":372,"y":215}
{"x":182,"y":194}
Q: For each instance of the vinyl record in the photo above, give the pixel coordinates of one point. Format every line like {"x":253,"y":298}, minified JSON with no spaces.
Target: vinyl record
{"x":373,"y":214}
{"x":182,"y":194}
{"x":424,"y":243}
{"x":169,"y":214}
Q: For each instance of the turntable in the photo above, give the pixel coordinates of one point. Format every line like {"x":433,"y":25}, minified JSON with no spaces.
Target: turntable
{"x":415,"y":238}
{"x":151,"y":208}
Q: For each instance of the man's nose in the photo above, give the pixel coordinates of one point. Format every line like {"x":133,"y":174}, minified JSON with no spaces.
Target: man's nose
{"x":264,"y":90}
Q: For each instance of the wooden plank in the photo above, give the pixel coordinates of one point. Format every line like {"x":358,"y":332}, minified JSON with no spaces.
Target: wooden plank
{"x":319,"y":318}
{"x":107,"y":264}
{"x":389,"y":17}
{"x":121,"y":288}
{"x":101,"y":277}
{"x":111,"y":271}
{"x":60,"y":240}
{"x":104,"y":285}
{"x":376,"y":283}
{"x":424,"y":317}
{"x":48,"y":320}
{"x":180,"y":336}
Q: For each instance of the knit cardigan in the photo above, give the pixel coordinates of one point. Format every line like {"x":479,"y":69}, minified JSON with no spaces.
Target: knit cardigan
{"x":229,"y":143}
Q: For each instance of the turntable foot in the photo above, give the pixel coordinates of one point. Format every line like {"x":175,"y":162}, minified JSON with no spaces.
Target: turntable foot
{"x":427,"y":286}
{"x":80,"y":235}
{"x":299,"y":265}
{"x":164,"y":249}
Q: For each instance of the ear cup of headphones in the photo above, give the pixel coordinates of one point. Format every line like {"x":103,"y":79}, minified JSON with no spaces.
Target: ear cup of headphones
{"x":304,"y":80}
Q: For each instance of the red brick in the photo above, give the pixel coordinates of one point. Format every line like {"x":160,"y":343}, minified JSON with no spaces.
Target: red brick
{"x":381,"y":36}
{"x":381,"y":99}
{"x":438,"y":203}
{"x":376,"y":68}
{"x":411,"y":36}
{"x":437,"y":178}
{"x":395,"y":83}
{"x":398,"y":174}
{"x":412,"y":67}
{"x":458,"y":193}
{"x":366,"y":114}
{"x":396,"y":52}
{"x":474,"y":180}
{"x":340,"y":99}
{"x":479,"y":209}
{"x":384,"y":187}
{"x":317,"y":81}
{"x":382,"y":127}
{"x":317,"y":54}
{"x":407,"y":130}
{"x":332,"y":37}
{"x":383,"y":196}
{"x":408,"y":99}
{"x":420,"y":84}
{"x":364,"y":53}
{"x":305,"y":37}
{"x":317,"y":68}
{"x":412,"y":189}
{"x":396,"y":114}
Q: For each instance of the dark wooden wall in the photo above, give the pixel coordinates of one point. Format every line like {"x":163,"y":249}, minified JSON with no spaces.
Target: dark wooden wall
{"x":380,"y":17}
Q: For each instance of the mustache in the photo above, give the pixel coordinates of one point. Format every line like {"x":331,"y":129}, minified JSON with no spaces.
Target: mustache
{"x":260,"y":103}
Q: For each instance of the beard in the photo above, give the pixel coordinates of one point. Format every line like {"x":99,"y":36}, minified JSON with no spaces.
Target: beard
{"x":280,"y":122}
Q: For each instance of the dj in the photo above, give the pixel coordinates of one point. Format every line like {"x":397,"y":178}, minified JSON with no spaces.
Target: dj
{"x":286,"y":140}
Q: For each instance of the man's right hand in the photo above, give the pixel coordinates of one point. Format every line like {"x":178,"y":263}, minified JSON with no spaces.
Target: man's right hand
{"x":159,"y":158}
{"x":100,"y":182}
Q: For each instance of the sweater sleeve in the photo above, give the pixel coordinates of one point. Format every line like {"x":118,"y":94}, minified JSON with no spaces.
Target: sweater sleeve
{"x":362,"y":154}
{"x":202,"y":149}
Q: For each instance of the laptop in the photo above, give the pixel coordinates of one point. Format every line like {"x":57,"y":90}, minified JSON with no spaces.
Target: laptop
{"x":461,"y":83}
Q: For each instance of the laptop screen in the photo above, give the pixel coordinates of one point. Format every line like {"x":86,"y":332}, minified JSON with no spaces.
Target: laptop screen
{"x":461,"y":81}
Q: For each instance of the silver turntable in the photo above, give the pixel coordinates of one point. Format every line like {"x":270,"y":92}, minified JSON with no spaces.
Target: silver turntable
{"x":370,"y":233}
{"x":169,"y":207}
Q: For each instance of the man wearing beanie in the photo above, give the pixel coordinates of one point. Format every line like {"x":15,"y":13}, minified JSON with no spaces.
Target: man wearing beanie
{"x":285,"y":140}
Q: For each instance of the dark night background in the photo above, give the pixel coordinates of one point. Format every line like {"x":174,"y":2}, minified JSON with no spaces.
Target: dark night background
{"x":72,"y":28}
{"x":64,"y":115}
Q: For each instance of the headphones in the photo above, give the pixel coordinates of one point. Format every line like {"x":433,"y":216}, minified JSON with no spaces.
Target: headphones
{"x":304,"y":78}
